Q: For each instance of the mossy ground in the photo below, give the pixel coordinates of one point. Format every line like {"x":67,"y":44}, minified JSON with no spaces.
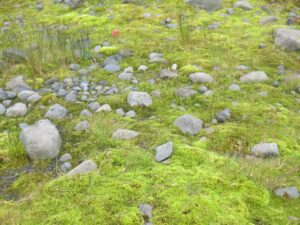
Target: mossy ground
{"x":206,"y":182}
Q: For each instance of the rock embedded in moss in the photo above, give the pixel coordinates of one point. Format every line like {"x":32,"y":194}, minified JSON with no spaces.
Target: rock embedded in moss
{"x":288,"y":38}
{"x":201,"y":78}
{"x":254,"y":77}
{"x":188,"y":124}
{"x":288,"y":192}
{"x":163,"y":152}
{"x":83,"y":168}
{"x":124,"y":134}
{"x":41,"y":140}
{"x":243,"y":4}
{"x":223,"y":116}
{"x":136,"y":98}
{"x":265,"y":150}
{"x":56,"y":111}
{"x":208,"y":5}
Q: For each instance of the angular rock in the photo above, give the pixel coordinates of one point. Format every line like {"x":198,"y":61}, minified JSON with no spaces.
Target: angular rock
{"x":124,"y":134}
{"x":288,"y":38}
{"x":265,"y":150}
{"x":83,"y":168}
{"x":189,"y":124}
{"x":82,"y":126}
{"x":164,"y":151}
{"x":136,"y":98}
{"x":254,"y":77}
{"x":185,"y":92}
{"x":112,"y":68}
{"x":56,"y":111}
{"x":34,"y":98}
{"x":41,"y":140}
{"x":104,"y":108}
{"x":17,"y":84}
{"x":18,"y":109}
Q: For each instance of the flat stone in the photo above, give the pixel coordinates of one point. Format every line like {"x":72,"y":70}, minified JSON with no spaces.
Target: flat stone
{"x":65,"y":157}
{"x":17,"y":84}
{"x":83,"y":168}
{"x":254,"y":77}
{"x":208,"y":5}
{"x":201,"y":78}
{"x":124,"y":134}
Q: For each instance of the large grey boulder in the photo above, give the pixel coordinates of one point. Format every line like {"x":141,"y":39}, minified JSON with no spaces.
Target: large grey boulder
{"x":208,"y":5}
{"x":265,"y":150}
{"x":83,"y":168}
{"x":18,"y":109}
{"x":41,"y":140}
{"x":288,"y":192}
{"x":288,"y":38}
{"x":136,"y":98}
{"x":201,"y":78}
{"x":189,"y":124}
{"x":254,"y":77}
{"x":56,"y":111}
{"x":17,"y":84}
{"x":164,"y":151}
{"x":124,"y":134}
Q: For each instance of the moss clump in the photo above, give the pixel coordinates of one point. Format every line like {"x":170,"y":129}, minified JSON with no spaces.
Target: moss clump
{"x":108,"y":50}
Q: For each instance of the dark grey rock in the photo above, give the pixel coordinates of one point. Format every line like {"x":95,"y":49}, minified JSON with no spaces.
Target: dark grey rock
{"x":223,"y":116}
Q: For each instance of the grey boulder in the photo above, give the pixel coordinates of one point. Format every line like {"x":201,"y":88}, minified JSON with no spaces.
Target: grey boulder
{"x":254,"y":77}
{"x":41,"y":140}
{"x":136,"y":98}
{"x":17,"y":84}
{"x":265,"y":150}
{"x":201,"y":78}
{"x":56,"y":111}
{"x":189,"y":124}
{"x":288,"y":38}
{"x":18,"y":109}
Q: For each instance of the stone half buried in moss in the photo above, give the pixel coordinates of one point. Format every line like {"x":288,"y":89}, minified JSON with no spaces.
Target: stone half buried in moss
{"x":83,"y":168}
{"x":188,"y":124}
{"x":208,"y":5}
{"x":288,"y":192}
{"x":265,"y":150}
